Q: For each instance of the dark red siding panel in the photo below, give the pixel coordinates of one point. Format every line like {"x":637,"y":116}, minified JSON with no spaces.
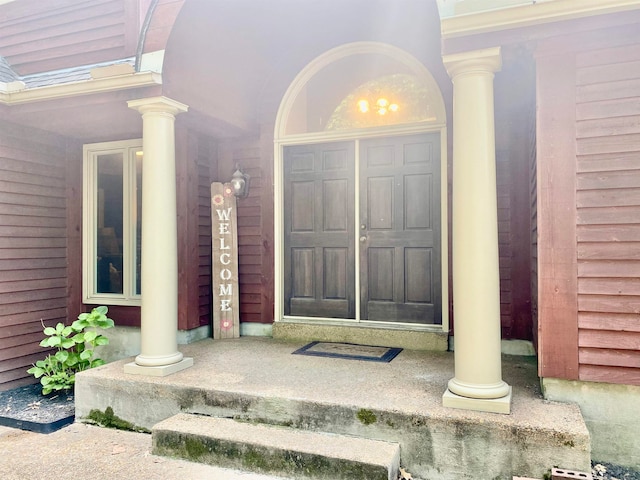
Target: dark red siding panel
{"x":255,"y":225}
{"x":194,"y":155}
{"x":207,"y":161}
{"x":556,"y":212}
{"x":74,"y":229}
{"x":515,"y":118}
{"x":33,"y":246}
{"x":608,"y":211}
{"x":67,"y":33}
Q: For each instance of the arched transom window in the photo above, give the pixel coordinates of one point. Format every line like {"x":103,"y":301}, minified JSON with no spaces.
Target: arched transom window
{"x":364,"y":90}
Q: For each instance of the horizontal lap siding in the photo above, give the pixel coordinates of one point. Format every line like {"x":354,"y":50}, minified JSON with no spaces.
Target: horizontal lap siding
{"x":515,"y":131}
{"x":206,"y":157}
{"x":250,"y":236}
{"x":533,"y":197}
{"x":608,"y":206}
{"x":195,"y":161}
{"x":67,"y":33}
{"x":33,"y":246}
{"x":505,"y":238}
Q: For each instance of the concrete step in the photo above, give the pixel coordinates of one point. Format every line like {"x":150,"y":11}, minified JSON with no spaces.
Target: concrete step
{"x":260,"y":381}
{"x":275,"y":450}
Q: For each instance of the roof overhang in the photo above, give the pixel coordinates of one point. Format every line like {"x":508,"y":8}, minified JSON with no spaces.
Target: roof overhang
{"x":16,"y":93}
{"x":533,"y":12}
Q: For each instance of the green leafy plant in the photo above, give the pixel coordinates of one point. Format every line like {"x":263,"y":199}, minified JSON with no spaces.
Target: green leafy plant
{"x":75,"y":349}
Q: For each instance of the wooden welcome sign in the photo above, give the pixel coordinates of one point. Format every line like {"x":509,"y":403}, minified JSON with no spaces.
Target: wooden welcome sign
{"x":224,"y":237}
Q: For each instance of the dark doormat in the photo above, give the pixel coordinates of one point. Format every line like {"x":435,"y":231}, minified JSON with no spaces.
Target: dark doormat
{"x":349,"y":351}
{"x":26,"y":408}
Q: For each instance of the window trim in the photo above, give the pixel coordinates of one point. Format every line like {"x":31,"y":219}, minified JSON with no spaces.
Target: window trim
{"x":90,"y":219}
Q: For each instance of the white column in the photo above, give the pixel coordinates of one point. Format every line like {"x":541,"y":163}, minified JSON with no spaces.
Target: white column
{"x":478,"y":383}
{"x":159,"y":270}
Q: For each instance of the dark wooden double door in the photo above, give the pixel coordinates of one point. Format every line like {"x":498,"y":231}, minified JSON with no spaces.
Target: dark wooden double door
{"x":366,"y":226}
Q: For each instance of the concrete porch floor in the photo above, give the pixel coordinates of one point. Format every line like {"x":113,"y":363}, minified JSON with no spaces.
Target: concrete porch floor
{"x":259,"y":380}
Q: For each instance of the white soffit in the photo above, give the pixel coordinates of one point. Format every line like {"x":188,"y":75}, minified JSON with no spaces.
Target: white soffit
{"x":497,"y":15}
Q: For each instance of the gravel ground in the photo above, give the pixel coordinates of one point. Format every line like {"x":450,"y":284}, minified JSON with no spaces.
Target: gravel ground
{"x":25,"y":407}
{"x":607,"y":471}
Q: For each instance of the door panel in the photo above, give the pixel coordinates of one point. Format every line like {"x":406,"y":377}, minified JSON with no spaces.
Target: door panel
{"x":417,"y":269}
{"x":417,"y":202}
{"x":319,"y":240}
{"x":380,"y":192}
{"x":399,"y":229}
{"x":380,"y":262}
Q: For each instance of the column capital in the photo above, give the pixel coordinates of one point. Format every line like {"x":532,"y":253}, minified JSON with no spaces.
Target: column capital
{"x":157,"y":105}
{"x":488,"y":60}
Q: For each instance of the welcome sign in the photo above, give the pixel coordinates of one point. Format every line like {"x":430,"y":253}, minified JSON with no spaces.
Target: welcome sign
{"x":224,"y":237}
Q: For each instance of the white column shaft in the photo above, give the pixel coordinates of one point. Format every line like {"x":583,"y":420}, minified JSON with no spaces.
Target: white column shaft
{"x":159,"y":269}
{"x":476,"y":279}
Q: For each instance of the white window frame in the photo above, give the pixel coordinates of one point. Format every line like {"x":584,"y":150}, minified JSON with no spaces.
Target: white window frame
{"x":91,"y":152}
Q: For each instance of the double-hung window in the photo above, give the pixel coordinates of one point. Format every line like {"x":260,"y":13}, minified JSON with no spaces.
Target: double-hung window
{"x":112,"y":214}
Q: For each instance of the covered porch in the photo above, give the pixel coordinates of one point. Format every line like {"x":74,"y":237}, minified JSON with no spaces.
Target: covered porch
{"x":260,"y":381}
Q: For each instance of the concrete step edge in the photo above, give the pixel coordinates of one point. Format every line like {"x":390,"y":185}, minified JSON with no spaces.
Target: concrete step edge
{"x":275,"y":450}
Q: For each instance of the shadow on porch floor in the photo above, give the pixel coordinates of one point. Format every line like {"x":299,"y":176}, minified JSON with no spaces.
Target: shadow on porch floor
{"x":259,"y":380}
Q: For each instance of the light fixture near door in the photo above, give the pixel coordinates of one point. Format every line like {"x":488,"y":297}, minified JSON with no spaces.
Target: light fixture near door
{"x":240,"y":183}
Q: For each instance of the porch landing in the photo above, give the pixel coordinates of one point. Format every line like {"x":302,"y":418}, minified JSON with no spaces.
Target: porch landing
{"x":259,"y":380}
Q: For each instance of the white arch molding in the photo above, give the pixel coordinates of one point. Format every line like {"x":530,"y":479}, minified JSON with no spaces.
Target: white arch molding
{"x":282,"y":139}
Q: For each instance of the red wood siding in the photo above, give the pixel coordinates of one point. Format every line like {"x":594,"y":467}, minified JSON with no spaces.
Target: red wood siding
{"x":74,"y":228}
{"x":267,"y":223}
{"x":206,"y":162}
{"x":247,"y":154}
{"x":556,"y":212}
{"x":195,"y":157}
{"x":533,"y":223}
{"x":33,"y":246}
{"x":515,"y":114}
{"x":67,"y":33}
{"x":608,"y":212}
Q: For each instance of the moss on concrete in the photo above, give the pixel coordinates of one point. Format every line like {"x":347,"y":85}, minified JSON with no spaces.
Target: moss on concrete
{"x":109,"y":420}
{"x":194,"y":449}
{"x":230,"y":454}
{"x":367,"y":417}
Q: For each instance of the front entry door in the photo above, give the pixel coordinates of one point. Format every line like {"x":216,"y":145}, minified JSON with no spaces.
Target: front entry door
{"x":319,"y":192}
{"x":394,"y":231}
{"x":399,"y":233}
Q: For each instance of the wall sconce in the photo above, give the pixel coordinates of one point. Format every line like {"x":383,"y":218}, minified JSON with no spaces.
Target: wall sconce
{"x":240,"y":183}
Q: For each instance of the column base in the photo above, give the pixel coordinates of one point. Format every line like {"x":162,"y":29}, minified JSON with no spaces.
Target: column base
{"x":492,"y":405}
{"x":161,"y":371}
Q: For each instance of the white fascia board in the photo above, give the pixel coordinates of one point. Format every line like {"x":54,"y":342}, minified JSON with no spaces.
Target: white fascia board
{"x":534,"y":13}
{"x":84,"y":87}
{"x":11,"y":87}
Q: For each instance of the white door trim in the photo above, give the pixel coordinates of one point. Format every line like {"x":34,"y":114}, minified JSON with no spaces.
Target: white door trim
{"x":281,"y":140}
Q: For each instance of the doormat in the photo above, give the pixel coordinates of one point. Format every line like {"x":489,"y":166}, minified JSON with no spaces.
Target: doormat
{"x":27,"y":409}
{"x":349,"y":351}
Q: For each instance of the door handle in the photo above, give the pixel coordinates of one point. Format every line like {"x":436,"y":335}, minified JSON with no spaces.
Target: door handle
{"x":363,"y":238}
